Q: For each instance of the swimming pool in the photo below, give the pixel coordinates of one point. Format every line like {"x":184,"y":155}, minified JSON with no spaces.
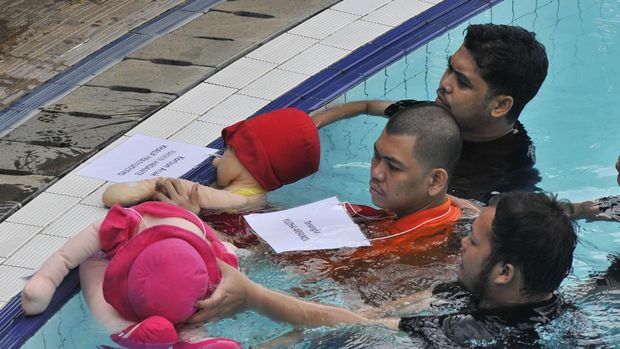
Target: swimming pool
{"x":577,"y":144}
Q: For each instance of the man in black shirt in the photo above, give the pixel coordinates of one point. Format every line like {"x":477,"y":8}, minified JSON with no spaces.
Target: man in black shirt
{"x":470,"y":325}
{"x":513,"y":261}
{"x":508,"y":238}
{"x":486,"y":85}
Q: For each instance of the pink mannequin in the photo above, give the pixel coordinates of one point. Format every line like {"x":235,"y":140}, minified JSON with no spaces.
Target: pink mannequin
{"x":146,"y":277}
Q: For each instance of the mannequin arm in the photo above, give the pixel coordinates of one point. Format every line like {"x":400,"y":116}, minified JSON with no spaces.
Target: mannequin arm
{"x":195,"y":197}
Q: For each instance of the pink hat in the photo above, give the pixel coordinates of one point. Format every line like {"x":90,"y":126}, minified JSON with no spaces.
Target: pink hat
{"x":278,"y":147}
{"x":162,"y":271}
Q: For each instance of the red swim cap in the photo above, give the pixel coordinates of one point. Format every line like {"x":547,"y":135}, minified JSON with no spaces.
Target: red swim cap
{"x":278,"y":147}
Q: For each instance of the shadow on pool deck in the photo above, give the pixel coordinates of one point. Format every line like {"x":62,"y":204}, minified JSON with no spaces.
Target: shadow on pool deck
{"x":39,"y":39}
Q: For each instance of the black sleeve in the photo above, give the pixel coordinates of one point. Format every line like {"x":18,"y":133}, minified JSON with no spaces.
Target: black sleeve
{"x":394,"y":107}
{"x":454,"y":292}
{"x":451,"y":297}
{"x":417,"y":324}
{"x":430,"y":329}
{"x":445,"y":288}
{"x":451,"y":331}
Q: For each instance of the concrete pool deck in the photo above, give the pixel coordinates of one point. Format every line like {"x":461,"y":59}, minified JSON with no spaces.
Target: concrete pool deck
{"x":67,"y":132}
{"x":42,"y":39}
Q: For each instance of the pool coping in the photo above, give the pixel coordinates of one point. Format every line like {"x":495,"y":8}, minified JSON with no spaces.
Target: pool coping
{"x":316,"y":91}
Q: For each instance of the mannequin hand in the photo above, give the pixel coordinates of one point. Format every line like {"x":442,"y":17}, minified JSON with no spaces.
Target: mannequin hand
{"x":173,"y":191}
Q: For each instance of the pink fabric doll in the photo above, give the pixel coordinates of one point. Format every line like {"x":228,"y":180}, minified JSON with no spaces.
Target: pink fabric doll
{"x":159,"y":260}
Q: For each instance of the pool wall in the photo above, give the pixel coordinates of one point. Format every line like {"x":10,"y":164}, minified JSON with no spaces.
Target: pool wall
{"x":314,"y":93}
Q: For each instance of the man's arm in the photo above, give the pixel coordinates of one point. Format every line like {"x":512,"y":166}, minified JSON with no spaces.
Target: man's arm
{"x":349,"y":110}
{"x":464,"y":203}
{"x":282,"y":307}
{"x":236,"y":293}
{"x":411,"y":304}
{"x":600,"y":209}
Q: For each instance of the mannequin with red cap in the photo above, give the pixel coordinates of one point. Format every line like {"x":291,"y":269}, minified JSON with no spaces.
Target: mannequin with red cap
{"x":258,"y":157}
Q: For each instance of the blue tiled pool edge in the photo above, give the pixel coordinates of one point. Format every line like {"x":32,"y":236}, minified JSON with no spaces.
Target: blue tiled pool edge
{"x":16,"y":329}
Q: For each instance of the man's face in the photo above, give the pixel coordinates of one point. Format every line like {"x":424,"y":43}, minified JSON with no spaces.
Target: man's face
{"x":463,"y":91}
{"x":398,"y":181}
{"x":476,"y":248}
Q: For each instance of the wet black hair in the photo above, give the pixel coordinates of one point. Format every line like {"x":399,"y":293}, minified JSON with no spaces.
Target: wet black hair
{"x":511,"y":61}
{"x":438,"y":137}
{"x":535,"y":233}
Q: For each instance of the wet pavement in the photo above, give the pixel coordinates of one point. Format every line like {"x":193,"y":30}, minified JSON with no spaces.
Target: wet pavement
{"x":39,"y":39}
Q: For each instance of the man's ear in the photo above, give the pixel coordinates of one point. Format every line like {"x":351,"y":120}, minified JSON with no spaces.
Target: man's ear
{"x":504,"y":273}
{"x":438,"y":180}
{"x":501,"y":105}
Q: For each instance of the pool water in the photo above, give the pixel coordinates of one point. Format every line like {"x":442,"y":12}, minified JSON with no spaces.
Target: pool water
{"x":571,"y":121}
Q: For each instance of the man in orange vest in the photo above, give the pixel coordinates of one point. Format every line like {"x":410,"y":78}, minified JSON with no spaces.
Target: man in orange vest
{"x":410,"y":169}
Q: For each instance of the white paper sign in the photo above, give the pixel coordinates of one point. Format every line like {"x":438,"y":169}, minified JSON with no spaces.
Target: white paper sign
{"x":317,"y":226}
{"x":143,"y":157}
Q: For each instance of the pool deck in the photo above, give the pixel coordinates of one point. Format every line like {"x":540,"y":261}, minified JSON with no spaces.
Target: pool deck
{"x":260,"y":58}
{"x":153,"y":52}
